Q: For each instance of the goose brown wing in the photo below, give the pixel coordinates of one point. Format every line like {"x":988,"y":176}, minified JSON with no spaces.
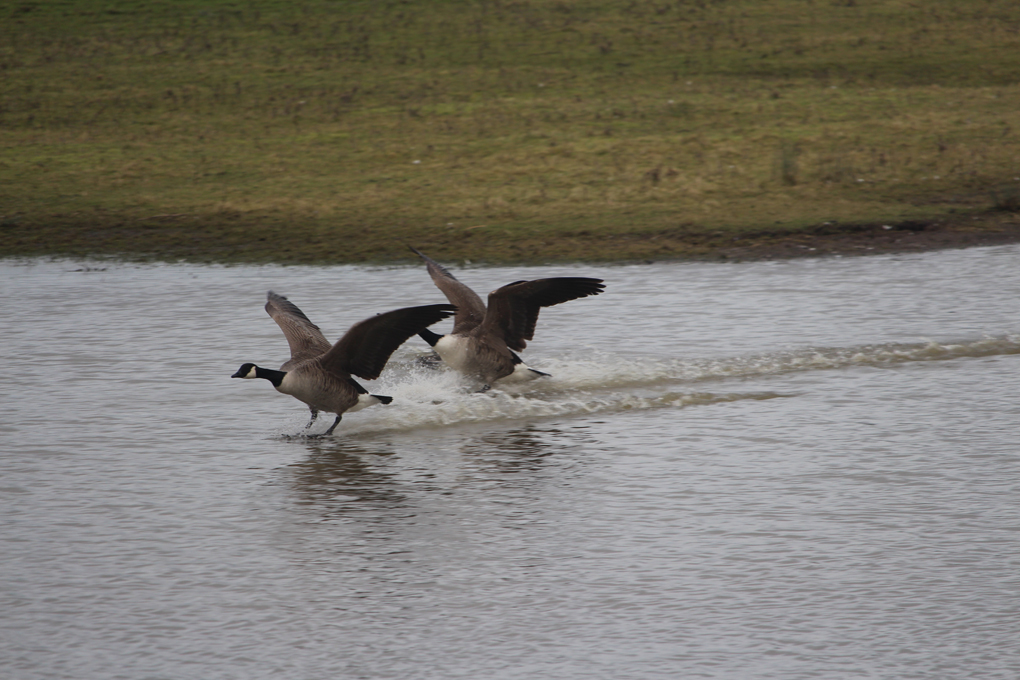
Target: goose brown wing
{"x":304,"y":337}
{"x":513,"y":309}
{"x":366,"y":347}
{"x":470,"y":307}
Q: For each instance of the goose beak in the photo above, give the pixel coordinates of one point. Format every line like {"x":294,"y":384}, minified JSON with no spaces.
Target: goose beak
{"x":237,"y":375}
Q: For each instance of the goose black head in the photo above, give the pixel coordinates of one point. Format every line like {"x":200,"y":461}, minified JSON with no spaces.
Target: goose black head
{"x":246,"y":371}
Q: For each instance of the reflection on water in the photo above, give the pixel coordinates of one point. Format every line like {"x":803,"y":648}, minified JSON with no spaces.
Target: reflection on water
{"x":338,"y":476}
{"x":342,"y":476}
{"x":517,"y":450}
{"x":768,"y":470}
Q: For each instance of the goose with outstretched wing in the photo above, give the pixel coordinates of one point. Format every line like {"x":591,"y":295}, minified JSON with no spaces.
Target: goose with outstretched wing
{"x":484,"y":338}
{"x":322,"y":375}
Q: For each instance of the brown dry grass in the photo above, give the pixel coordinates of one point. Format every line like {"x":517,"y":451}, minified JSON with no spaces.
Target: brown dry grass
{"x":494,"y":130}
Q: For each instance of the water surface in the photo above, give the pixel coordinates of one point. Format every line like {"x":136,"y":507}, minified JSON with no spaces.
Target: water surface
{"x":803,"y":469}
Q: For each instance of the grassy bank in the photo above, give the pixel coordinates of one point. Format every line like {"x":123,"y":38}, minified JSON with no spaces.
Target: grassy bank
{"x":489,"y":130}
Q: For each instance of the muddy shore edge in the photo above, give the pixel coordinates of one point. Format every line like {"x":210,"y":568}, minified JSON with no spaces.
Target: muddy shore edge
{"x":988,"y":229}
{"x":262,"y":244}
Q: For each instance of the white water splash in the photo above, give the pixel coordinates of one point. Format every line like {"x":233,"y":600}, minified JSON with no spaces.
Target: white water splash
{"x":604,"y":383}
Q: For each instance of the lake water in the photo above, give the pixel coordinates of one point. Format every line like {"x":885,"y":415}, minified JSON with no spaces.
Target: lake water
{"x":804,"y":469}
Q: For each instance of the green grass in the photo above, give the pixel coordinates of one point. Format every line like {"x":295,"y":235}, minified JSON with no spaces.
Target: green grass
{"x":337,"y":131}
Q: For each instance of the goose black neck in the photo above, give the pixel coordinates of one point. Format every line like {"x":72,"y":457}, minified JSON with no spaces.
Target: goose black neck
{"x":275,"y":377}
{"x":429,"y":337}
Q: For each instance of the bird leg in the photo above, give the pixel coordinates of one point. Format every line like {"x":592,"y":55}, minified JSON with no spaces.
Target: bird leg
{"x":333,"y":426}
{"x":315,"y":414}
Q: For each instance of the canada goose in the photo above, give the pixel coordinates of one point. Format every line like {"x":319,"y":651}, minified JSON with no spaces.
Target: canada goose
{"x":483,"y":339}
{"x":320,"y":374}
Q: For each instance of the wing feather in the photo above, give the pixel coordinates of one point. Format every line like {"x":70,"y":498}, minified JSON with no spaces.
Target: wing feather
{"x":304,"y":337}
{"x":366,"y":347}
{"x":513,"y":308}
{"x":470,"y":307}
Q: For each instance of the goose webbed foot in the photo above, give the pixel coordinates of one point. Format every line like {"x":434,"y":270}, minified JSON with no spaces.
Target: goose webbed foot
{"x":485,"y":388}
{"x":332,"y":427}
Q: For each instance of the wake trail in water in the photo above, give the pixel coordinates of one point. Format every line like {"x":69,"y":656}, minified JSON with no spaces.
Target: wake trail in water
{"x":607,"y":371}
{"x":606,"y":383}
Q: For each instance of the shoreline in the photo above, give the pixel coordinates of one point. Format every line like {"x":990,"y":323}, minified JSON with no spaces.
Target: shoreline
{"x":121,"y":242}
{"x":909,"y":236}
